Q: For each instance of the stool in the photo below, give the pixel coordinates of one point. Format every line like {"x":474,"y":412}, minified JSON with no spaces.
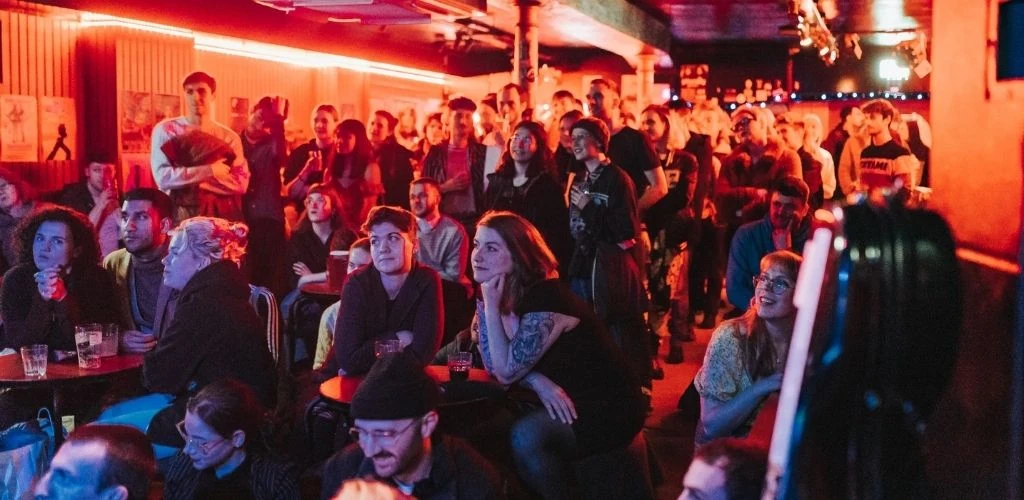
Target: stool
{"x":622,"y":473}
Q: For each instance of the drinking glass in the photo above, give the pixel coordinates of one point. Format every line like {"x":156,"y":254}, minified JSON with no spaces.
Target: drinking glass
{"x":110,"y":337}
{"x":459,"y":364}
{"x":382,"y":348}
{"x":337,"y":268}
{"x":33,"y":359}
{"x":88,"y":342}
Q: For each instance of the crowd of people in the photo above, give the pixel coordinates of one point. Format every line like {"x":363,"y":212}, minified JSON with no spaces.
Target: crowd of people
{"x":555,"y":265}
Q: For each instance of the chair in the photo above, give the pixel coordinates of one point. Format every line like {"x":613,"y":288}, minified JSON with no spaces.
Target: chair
{"x":264,"y":303}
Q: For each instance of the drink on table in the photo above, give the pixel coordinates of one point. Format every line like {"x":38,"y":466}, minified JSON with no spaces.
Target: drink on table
{"x":111,"y":333}
{"x":337,"y":268}
{"x":33,"y":359}
{"x":459,"y":364}
{"x":89,"y":342}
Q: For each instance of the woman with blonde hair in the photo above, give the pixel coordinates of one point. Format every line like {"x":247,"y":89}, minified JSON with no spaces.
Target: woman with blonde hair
{"x":214,"y":332}
{"x":744,"y":360}
{"x":813,"y":134}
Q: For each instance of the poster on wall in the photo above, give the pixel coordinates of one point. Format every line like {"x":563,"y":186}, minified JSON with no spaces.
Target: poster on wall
{"x":58,"y":127}
{"x":165,"y":106}
{"x":19,"y":135}
{"x":693,"y":82}
{"x":239,"y":114}
{"x":136,"y":121}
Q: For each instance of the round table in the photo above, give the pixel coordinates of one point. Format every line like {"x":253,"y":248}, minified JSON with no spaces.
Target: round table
{"x":320,"y":288}
{"x":62,"y":374}
{"x":341,"y":389}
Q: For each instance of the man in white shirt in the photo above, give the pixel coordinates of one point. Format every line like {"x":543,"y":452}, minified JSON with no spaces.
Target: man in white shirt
{"x":214,"y":188}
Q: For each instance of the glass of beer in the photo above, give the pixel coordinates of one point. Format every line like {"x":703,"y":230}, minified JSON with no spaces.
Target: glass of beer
{"x":89,"y":342}
{"x":459,"y":364}
{"x":337,"y":268}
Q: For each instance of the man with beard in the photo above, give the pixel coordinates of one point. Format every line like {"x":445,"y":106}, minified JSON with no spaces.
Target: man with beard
{"x":394,"y":160}
{"x":444,"y":247}
{"x":786,"y":227}
{"x":137,"y":269}
{"x":458,"y":165}
{"x":395,"y":418}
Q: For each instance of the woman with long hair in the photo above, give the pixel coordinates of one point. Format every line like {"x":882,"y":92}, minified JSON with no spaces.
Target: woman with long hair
{"x":744,"y":360}
{"x":224,"y":454}
{"x":353,"y":173}
{"x":534,"y":331}
{"x":524,"y":183}
{"x":57,"y":282}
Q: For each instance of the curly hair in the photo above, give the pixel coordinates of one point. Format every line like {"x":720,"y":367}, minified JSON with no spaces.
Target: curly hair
{"x":83,"y":237}
{"x":540,"y":162}
{"x":213,"y":238}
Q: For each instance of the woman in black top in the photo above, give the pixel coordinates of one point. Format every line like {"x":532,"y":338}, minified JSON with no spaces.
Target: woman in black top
{"x":533,"y":331}
{"x":222,"y":458}
{"x":604,"y":222}
{"x":524,"y":184}
{"x":57,"y":283}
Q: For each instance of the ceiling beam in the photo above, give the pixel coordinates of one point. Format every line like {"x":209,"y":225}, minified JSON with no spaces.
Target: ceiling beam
{"x":614,"y":25}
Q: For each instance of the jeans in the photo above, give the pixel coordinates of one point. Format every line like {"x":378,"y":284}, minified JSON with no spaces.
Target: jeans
{"x":542,"y":449}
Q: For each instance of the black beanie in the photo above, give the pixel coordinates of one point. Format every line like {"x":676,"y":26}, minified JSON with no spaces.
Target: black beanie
{"x":598,"y":129}
{"x":396,"y":387}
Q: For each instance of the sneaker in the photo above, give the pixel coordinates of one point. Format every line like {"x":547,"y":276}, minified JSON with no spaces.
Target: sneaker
{"x":675,"y":355}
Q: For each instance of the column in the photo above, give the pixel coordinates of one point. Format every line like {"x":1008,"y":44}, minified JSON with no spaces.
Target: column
{"x":645,"y":79}
{"x":525,"y":60}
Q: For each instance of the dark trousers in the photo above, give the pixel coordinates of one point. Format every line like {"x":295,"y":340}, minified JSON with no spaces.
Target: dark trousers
{"x":707,"y":269}
{"x":264,"y":263}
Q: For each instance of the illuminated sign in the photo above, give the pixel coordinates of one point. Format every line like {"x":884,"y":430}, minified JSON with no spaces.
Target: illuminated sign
{"x":889,"y":69}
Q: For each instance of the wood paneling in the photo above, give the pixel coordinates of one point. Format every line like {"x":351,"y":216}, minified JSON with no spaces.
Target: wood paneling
{"x":39,"y":60}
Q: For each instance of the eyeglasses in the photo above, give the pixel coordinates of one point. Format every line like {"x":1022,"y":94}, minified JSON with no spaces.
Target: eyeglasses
{"x":379,"y":436}
{"x":203,"y":447}
{"x":776,"y":286}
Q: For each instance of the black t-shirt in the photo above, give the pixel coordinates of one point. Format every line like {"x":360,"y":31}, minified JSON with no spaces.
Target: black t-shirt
{"x":879,"y":166}
{"x":632,"y":152}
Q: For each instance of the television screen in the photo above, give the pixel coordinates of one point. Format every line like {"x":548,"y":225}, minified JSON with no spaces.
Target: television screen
{"x":1010,"y":51}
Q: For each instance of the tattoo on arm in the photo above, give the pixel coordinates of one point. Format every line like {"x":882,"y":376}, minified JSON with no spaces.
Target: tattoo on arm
{"x":528,"y":344}
{"x":480,"y":325}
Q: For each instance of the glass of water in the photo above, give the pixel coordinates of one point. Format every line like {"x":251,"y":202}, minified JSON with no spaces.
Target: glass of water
{"x":111,"y":335}
{"x":33,"y":359}
{"x":89,"y":342}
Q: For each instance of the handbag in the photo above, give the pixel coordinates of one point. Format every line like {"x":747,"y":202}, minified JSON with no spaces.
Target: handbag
{"x":26,"y":449}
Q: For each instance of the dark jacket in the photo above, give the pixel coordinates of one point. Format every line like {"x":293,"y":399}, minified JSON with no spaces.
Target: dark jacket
{"x":736,"y":197}
{"x":434,"y":166}
{"x":753,"y":241}
{"x":395,"y":164}
{"x":267,"y":479}
{"x":365,"y":316}
{"x":540,"y":201}
{"x":214,"y":334}
{"x":262,"y":199}
{"x":28,"y":319}
{"x":457,"y":472}
{"x":78,"y":197}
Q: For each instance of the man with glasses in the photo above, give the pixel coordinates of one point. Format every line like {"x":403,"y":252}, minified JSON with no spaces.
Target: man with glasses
{"x":786,"y":227}
{"x":395,"y":418}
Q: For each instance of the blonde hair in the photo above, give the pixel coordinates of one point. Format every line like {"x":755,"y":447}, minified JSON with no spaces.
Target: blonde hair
{"x":214,"y":239}
{"x":809,"y":118}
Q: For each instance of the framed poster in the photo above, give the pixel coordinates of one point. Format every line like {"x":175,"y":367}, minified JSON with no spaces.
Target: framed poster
{"x":19,"y":134}
{"x":58,"y":130}
{"x":165,"y":106}
{"x":136,"y":121}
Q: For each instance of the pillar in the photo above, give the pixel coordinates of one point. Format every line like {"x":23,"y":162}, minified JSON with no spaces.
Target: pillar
{"x":525,"y":59}
{"x":645,"y":78}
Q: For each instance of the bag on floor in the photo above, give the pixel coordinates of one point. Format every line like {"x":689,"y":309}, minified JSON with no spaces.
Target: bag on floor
{"x":26,"y":449}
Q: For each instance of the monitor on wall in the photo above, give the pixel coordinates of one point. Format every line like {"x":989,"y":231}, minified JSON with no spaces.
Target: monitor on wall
{"x":1010,"y":48}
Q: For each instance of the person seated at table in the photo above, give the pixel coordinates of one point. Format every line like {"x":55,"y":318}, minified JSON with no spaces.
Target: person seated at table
{"x":744,"y":360}
{"x":395,"y":412}
{"x":213,"y":332}
{"x":224,"y":454}
{"x":525,"y":183}
{"x":138,"y":268}
{"x":726,"y":469}
{"x":58,"y":282}
{"x":394,"y":299}
{"x":100,"y":461}
{"x":325,"y":360}
{"x":320,"y":232}
{"x":535,"y":332}
{"x":17,"y":200}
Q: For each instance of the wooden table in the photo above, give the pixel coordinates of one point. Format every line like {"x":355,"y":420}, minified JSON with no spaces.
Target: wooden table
{"x":341,"y":389}
{"x":63,"y":374}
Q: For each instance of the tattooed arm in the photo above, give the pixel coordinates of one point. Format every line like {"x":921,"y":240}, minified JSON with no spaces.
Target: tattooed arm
{"x":478,"y":329}
{"x":512,"y":359}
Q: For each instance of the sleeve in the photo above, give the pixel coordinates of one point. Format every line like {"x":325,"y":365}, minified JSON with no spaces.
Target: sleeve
{"x":788,"y":164}
{"x":26,"y":315}
{"x":284,"y":482}
{"x":721,"y":376}
{"x":325,"y":334}
{"x":168,"y":176}
{"x":848,"y":171}
{"x":236,"y":178}
{"x":743,"y":265}
{"x":646,"y":155}
{"x":456,"y":255}
{"x":429,"y":323}
{"x":169,"y":367}
{"x":730,"y":197}
{"x":295,"y":162}
{"x":906,"y":165}
{"x":353,"y":347}
{"x":828,"y":173}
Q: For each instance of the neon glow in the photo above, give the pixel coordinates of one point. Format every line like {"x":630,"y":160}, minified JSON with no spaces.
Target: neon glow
{"x":268,"y":52}
{"x":889,"y":69}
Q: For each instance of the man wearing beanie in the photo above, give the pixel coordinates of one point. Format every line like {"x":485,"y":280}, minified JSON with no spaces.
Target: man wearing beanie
{"x":395,"y":419}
